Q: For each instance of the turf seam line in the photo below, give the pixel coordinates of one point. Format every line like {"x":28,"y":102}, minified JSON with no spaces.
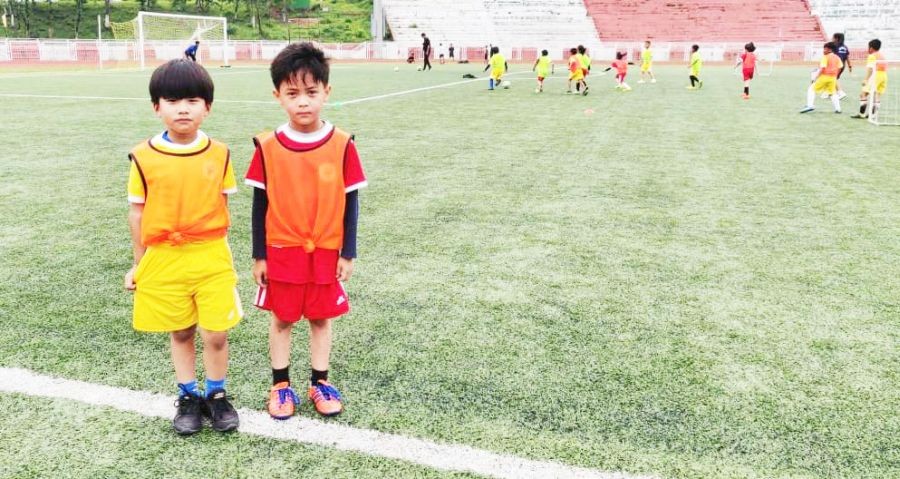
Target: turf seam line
{"x":445,"y":457}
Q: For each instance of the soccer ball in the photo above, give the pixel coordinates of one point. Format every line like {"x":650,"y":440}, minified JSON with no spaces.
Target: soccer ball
{"x":419,"y":69}
{"x":396,"y":69}
{"x":506,"y":84}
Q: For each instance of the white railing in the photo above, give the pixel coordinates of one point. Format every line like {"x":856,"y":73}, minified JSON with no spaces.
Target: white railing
{"x":35,"y":51}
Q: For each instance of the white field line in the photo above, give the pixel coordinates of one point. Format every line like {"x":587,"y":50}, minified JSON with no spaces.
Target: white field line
{"x":419,"y":451}
{"x":248,"y":102}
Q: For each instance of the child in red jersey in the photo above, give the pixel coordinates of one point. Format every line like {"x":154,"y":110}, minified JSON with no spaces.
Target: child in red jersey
{"x":305,"y":208}
{"x":748,"y":60}
{"x":621,"y":67}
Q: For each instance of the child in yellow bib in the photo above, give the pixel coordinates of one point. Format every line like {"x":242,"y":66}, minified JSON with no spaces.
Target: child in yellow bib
{"x":183,"y":275}
{"x":825,"y":79}
{"x":875,"y":80}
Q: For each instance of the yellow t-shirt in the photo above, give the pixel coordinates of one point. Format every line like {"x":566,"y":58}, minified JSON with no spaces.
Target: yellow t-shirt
{"x":136,"y":192}
{"x":646,"y":56}
{"x":543,"y":66}
{"x":876,"y":62}
{"x":585,"y":61}
{"x":696,"y":63}
{"x":498,"y":62}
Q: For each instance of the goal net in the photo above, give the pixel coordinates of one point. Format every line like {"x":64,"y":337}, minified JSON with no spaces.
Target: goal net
{"x":164,"y":36}
{"x":883,"y":107}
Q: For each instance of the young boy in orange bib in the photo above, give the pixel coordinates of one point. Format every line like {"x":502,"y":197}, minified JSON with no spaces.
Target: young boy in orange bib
{"x":183,"y":275}
{"x":306,"y":176}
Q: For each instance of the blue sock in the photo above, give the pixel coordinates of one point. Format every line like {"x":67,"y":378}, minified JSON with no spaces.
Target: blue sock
{"x":491,"y":84}
{"x":213,"y":385}
{"x":189,"y":388}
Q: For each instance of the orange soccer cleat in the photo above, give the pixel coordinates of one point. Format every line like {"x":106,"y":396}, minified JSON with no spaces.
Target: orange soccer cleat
{"x":282,"y":401}
{"x":326,"y":398}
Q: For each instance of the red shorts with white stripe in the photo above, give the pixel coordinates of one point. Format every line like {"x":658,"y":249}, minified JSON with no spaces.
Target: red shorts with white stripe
{"x":290,"y":302}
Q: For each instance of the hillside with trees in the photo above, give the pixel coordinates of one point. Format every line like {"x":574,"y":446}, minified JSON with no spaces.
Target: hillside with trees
{"x":320,"y":20}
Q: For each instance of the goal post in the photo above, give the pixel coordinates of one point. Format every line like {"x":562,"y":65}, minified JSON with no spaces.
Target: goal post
{"x":883,"y":107}
{"x":169,"y":34}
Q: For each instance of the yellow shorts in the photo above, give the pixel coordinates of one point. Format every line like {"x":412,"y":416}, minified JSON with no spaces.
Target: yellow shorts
{"x":825,"y":84}
{"x":880,"y":82}
{"x":497,"y":74}
{"x":645,"y":67}
{"x":576,"y":76}
{"x":180,"y":286}
{"x":695,"y":73}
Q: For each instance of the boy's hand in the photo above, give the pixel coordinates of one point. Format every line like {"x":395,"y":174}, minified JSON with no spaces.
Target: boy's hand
{"x":344,"y":268}
{"x":129,"y":279}
{"x":260,"y":272}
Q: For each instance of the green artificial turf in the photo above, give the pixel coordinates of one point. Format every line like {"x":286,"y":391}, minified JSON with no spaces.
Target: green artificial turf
{"x":680,"y":283}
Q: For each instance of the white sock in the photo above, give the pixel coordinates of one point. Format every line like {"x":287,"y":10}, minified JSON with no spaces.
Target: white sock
{"x":836,"y":102}
{"x":811,"y":97}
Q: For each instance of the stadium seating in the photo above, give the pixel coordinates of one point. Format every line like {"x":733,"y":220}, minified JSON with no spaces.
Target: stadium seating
{"x":519,"y":23}
{"x":861,"y":20}
{"x":704,"y":20}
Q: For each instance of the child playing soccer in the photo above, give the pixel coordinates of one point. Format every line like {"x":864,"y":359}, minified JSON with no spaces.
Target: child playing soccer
{"x":183,"y":276}
{"x":585,"y":61}
{"x":306,"y":177}
{"x":825,"y":80}
{"x":748,"y":60}
{"x":542,"y":66}
{"x":876,"y":71}
{"x":843,"y":53}
{"x":695,"y":65}
{"x":498,"y":66}
{"x":576,"y":73}
{"x":621,"y":67}
{"x":647,"y":63}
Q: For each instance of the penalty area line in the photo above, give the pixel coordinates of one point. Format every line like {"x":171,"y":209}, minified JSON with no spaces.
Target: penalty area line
{"x":249,"y":102}
{"x":445,"y":457}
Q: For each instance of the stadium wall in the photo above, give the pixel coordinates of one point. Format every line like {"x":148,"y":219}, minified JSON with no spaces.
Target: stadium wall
{"x":46,"y":51}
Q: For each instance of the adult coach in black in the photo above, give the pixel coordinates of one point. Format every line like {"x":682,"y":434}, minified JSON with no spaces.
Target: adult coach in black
{"x":426,"y":51}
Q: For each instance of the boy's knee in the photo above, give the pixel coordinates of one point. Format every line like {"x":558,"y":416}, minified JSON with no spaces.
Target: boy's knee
{"x":215,"y":340}
{"x":184,"y":335}
{"x":319,"y":324}
{"x":281,"y":326}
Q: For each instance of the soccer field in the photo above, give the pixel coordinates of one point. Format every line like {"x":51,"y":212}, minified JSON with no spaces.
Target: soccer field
{"x":679,"y":284}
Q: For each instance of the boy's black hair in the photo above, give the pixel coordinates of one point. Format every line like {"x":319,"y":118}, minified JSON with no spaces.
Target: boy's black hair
{"x":695,"y":47}
{"x":839,"y":38}
{"x":181,"y":78}
{"x":495,"y":50}
{"x":620,"y":55}
{"x":750,"y":47}
{"x":581,"y":49}
{"x":831,"y":46}
{"x":298,"y":60}
{"x":573,"y":51}
{"x":544,"y":52}
{"x":875,"y":44}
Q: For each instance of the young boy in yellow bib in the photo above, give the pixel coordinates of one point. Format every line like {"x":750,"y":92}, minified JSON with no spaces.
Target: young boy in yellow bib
{"x":183,"y":276}
{"x":876,"y":75}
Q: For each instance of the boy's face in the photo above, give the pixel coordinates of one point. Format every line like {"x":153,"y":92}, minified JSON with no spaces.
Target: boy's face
{"x":303,"y":101}
{"x":826,"y":50}
{"x":646,"y":44}
{"x":182,"y":117}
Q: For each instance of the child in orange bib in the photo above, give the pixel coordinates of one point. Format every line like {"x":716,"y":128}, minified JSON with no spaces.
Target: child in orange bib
{"x":183,"y":275}
{"x":306,"y":176}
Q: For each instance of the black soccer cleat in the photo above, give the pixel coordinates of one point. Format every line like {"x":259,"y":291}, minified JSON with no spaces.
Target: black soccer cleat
{"x":188,"y":417}
{"x":220,"y":412}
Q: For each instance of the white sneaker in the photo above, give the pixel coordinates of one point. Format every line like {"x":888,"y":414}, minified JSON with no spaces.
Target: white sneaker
{"x":841,"y":95}
{"x":641,"y":81}
{"x":653,"y":80}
